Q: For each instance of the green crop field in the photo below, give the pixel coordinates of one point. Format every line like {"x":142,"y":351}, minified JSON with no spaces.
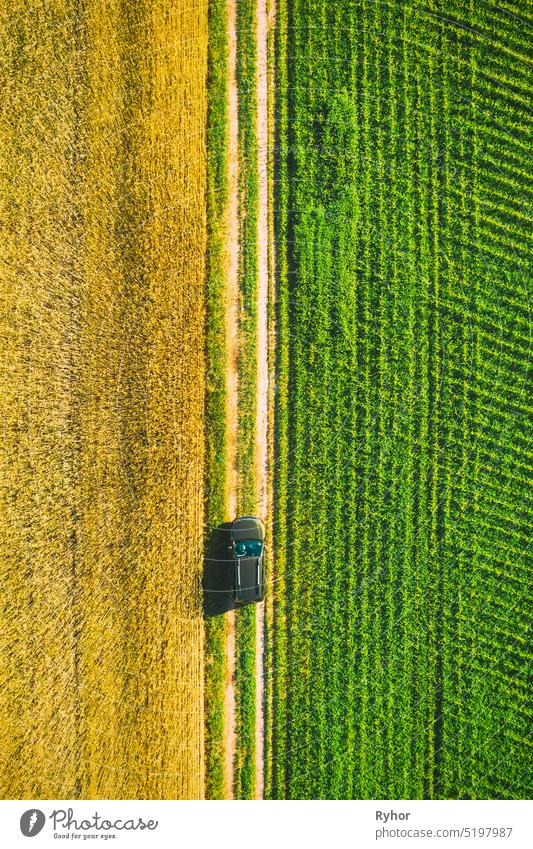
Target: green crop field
{"x":398,"y":643}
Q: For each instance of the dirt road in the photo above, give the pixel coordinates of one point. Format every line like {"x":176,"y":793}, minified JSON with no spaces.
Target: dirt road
{"x":232,"y":303}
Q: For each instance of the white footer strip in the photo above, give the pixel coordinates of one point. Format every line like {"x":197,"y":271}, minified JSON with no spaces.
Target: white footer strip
{"x":230,"y":825}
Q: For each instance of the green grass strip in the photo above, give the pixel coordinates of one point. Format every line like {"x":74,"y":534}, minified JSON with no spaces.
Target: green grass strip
{"x":247,"y":365}
{"x":215,"y":383}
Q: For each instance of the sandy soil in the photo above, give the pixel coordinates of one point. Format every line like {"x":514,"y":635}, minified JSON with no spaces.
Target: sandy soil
{"x":232,"y":302}
{"x":261,"y":453}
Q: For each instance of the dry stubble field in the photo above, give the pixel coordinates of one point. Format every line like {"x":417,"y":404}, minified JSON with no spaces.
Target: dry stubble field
{"x":102,"y":345}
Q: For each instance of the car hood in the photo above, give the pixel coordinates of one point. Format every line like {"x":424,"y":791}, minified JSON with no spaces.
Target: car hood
{"x":244,"y":529}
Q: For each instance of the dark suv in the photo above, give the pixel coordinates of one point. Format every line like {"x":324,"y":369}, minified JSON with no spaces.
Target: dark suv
{"x":247,"y":553}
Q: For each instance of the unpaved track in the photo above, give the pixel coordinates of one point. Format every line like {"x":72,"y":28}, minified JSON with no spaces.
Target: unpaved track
{"x":261,"y":449}
{"x":232,"y":301}
{"x":232,"y":304}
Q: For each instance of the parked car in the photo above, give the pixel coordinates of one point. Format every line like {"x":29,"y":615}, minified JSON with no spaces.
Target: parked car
{"x":246,"y":551}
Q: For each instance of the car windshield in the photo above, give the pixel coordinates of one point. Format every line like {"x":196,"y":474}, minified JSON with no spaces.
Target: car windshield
{"x":248,"y":548}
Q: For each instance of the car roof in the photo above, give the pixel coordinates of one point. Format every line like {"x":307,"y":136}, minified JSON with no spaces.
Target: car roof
{"x":247,"y":587}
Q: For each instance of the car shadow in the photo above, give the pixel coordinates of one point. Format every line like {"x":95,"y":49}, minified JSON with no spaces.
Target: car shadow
{"x":218,"y":573}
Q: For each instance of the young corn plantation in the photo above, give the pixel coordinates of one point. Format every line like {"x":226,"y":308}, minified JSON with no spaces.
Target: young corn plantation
{"x":398,"y":642}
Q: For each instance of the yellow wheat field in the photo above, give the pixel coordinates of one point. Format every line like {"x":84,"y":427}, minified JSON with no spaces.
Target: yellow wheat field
{"x":102,"y":172}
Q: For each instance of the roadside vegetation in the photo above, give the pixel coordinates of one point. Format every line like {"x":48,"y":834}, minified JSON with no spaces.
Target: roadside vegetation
{"x":216,"y":461}
{"x":102,"y":335}
{"x":247,"y":497}
{"x":398,"y":640}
